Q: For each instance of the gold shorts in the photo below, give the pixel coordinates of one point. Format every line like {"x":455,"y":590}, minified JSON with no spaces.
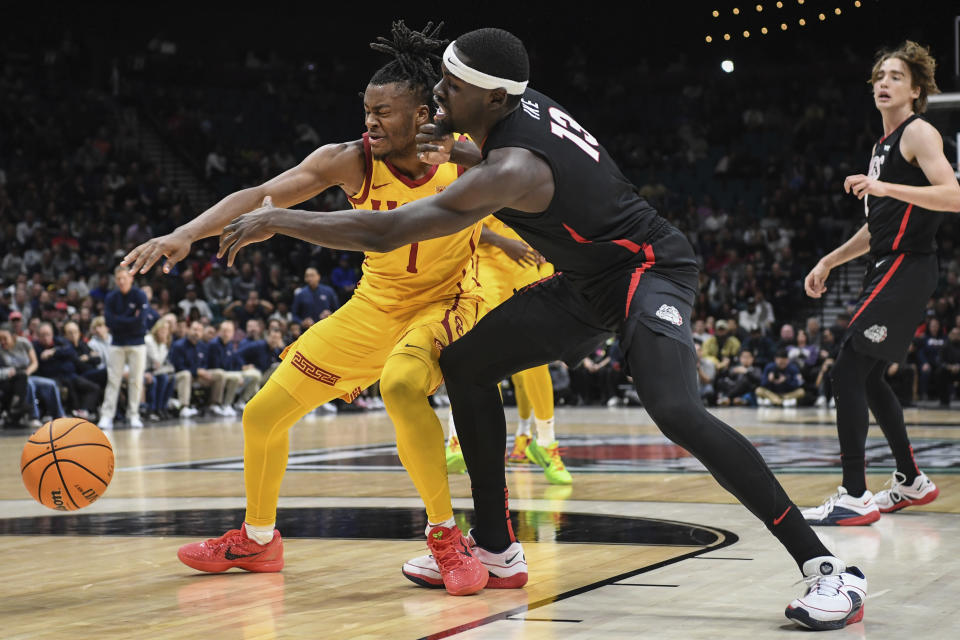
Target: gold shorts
{"x":343,"y":354}
{"x":501,"y":277}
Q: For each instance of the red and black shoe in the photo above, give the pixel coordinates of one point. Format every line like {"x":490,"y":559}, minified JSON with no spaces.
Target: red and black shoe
{"x":233,"y":549}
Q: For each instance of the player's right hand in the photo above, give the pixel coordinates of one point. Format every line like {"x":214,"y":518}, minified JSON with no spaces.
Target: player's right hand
{"x":174,"y":246}
{"x":431,"y":148}
{"x":520,"y":252}
{"x":815,"y":282}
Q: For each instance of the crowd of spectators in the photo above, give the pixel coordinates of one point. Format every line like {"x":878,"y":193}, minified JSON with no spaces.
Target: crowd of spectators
{"x":753,"y":179}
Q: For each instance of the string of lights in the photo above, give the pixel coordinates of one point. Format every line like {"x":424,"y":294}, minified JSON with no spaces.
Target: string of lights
{"x":768,"y":18}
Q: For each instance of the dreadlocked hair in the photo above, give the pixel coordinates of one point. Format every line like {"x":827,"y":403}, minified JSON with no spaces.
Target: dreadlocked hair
{"x":416,"y":58}
{"x":922,"y":69}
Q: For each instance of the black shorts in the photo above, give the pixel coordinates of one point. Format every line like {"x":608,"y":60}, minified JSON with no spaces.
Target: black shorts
{"x":896,"y":289}
{"x":559,"y":318}
{"x":659,"y":291}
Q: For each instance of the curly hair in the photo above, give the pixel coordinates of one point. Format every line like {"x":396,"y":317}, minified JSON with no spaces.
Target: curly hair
{"x":922,"y":66}
{"x":416,"y":58}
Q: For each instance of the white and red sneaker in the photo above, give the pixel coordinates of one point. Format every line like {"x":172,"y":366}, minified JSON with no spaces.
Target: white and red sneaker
{"x":506,"y":570}
{"x":834,"y":597}
{"x":843,"y":509}
{"x":900,"y":495}
{"x":458,"y":569}
{"x":233,"y":550}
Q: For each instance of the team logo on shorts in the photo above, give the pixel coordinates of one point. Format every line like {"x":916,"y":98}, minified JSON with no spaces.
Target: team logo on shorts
{"x":877,"y":333}
{"x":670,"y":314}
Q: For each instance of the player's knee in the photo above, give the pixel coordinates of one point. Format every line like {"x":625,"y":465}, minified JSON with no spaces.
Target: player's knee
{"x":457,"y":366}
{"x":674,"y":414}
{"x":403,"y":378}
{"x":257,"y":414}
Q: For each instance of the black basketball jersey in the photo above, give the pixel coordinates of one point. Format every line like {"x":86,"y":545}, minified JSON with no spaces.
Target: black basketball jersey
{"x":895,"y":225}
{"x":596,"y":223}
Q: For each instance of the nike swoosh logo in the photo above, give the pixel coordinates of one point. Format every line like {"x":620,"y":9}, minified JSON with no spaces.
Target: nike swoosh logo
{"x":782,"y":516}
{"x":229,"y":555}
{"x":377,"y":186}
{"x":510,"y":559}
{"x":414,"y":346}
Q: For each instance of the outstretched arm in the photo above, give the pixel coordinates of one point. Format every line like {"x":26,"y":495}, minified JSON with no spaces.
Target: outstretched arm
{"x":509,"y":177}
{"x":330,"y":165}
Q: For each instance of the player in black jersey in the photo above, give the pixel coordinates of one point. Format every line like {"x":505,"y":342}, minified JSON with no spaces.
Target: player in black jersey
{"x":908,"y":183}
{"x":625,"y":271}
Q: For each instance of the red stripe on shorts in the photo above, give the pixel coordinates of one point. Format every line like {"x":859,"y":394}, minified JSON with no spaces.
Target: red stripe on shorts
{"x":883,"y":283}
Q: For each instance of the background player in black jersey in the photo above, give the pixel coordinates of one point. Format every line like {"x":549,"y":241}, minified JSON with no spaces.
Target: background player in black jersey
{"x":625,"y":270}
{"x":908,"y":182}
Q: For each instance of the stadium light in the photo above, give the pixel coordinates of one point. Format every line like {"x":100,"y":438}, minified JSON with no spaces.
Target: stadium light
{"x":727,"y":66}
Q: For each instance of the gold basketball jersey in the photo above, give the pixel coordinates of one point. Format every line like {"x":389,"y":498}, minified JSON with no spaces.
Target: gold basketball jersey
{"x":422,"y":271}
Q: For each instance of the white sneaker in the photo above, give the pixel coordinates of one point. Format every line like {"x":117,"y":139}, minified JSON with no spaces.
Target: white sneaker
{"x":832,"y":404}
{"x":901,"y":495}
{"x":105,"y":424}
{"x":843,"y":509}
{"x":136,"y":422}
{"x":821,"y":401}
{"x":508,"y":569}
{"x":790,"y":402}
{"x":764,"y":402}
{"x":223,"y":410}
{"x":834,"y":597}
{"x":188,"y":412}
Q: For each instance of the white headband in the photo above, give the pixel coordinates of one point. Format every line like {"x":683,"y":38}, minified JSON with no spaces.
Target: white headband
{"x":479,"y":78}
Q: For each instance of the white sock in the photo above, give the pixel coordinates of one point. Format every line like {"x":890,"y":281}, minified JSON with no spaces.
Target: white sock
{"x":447,"y":524}
{"x":260,"y":535}
{"x":451,"y":427}
{"x":545,"y":432}
{"x":523,"y":427}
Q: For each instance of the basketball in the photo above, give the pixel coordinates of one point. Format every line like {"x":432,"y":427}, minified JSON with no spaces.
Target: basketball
{"x":67,"y":464}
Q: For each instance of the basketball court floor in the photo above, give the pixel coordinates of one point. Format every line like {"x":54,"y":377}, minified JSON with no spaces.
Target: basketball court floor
{"x":644,"y":544}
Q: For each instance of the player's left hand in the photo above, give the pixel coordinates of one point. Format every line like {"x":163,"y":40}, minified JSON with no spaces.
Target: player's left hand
{"x":431,"y":148}
{"x":246,"y":229}
{"x":861,"y":185}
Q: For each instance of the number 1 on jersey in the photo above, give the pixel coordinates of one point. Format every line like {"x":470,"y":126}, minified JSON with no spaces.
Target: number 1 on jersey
{"x":563,"y":126}
{"x":412,"y":264}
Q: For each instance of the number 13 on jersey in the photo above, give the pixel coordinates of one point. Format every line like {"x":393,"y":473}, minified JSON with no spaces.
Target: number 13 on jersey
{"x":563,"y":126}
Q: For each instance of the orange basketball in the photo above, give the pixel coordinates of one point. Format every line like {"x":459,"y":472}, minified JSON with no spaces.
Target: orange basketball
{"x":67,"y":464}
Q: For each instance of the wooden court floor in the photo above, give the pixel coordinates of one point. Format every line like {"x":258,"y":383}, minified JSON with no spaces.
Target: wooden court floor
{"x":643,"y":543}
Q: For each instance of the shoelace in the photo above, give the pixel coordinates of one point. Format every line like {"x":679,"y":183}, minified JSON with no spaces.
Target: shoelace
{"x":555,"y":457}
{"x":829,"y":503}
{"x":446,"y":555}
{"x":822,"y":585}
{"x":234,"y":536}
{"x":895,"y":482}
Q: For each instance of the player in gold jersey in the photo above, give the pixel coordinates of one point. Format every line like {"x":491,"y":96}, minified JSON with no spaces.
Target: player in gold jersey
{"x":411,"y":303}
{"x":507,"y":264}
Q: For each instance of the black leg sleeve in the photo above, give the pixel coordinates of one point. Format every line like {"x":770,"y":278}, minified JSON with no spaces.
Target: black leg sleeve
{"x":539,"y":325}
{"x":664,"y":372}
{"x":886,"y":409}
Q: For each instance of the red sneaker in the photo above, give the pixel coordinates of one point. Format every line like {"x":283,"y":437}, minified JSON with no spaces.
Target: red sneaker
{"x":233,"y":549}
{"x":460,"y":569}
